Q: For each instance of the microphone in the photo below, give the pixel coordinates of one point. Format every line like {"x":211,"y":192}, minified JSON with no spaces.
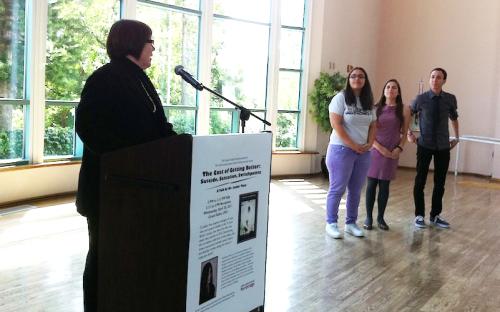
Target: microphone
{"x":179,"y":70}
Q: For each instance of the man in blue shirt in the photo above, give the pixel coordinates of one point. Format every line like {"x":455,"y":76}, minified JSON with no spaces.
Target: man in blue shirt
{"x":433,"y":107}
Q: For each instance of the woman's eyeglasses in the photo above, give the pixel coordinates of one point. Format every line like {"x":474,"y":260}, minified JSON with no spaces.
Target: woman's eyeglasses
{"x":150,"y":41}
{"x":357,"y":76}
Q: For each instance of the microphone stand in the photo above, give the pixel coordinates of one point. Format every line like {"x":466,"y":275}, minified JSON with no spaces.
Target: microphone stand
{"x":245,"y":113}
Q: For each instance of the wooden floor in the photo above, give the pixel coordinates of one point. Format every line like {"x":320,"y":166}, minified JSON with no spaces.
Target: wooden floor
{"x":43,"y":247}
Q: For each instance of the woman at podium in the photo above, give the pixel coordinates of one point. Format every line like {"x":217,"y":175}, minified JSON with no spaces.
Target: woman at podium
{"x":119,"y":107}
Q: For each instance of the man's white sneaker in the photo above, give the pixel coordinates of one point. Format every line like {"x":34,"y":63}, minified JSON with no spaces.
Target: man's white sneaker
{"x":332,"y":230}
{"x":354,"y":230}
{"x":440,"y":222}
{"x":420,"y":222}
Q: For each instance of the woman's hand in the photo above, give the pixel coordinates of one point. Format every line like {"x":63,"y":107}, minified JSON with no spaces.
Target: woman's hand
{"x":395,"y":153}
{"x":360,"y":149}
{"x":411,"y":137}
{"x":366,"y":147}
{"x":382,"y":150}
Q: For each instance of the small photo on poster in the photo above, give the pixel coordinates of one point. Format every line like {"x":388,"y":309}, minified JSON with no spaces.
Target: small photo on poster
{"x":208,"y":280}
{"x":247,"y":217}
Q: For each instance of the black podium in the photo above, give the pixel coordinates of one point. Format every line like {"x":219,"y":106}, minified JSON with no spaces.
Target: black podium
{"x":171,"y":206}
{"x":144,"y":226}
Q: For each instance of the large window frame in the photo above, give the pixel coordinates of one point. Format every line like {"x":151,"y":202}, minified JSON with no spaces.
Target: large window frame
{"x":235,"y":124}
{"x":34,"y":101}
{"x":167,"y":107}
{"x":23,"y":101}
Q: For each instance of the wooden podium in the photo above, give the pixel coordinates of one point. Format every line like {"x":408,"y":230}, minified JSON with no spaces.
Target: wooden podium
{"x":144,"y":226}
{"x":157,"y":212}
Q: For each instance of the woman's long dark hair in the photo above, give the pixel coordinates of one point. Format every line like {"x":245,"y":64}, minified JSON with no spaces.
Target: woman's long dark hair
{"x":399,"y":102}
{"x":366,"y":95}
{"x":207,"y":268}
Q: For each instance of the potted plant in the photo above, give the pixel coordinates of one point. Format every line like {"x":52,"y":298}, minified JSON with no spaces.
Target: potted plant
{"x":325,"y":88}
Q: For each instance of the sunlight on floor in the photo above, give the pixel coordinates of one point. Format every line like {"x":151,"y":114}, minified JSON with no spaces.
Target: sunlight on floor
{"x":290,"y":204}
{"x":310,"y":191}
{"x":32,"y":240}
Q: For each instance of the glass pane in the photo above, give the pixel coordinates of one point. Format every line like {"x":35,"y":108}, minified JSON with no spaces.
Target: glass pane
{"x":220,"y":122}
{"x":190,"y":4}
{"x":253,"y":10}
{"x":291,"y":48}
{"x":59,"y":130}
{"x":287,"y":130}
{"x":12,"y":36}
{"x":239,"y":63}
{"x":176,"y":43}
{"x":76,"y":43}
{"x":182,"y":120}
{"x":289,"y":90}
{"x":253,"y":125}
{"x":292,"y":13}
{"x":11,"y":132}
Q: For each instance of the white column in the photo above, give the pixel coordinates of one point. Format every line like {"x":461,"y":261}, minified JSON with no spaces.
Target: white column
{"x":202,"y":122}
{"x":37,"y":36}
{"x":312,"y":66}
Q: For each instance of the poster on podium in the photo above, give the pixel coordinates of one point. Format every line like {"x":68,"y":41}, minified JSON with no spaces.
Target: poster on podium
{"x":228,"y":222}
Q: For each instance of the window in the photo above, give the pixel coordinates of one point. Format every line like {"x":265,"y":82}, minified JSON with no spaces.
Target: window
{"x":76,"y":46}
{"x":290,"y":75}
{"x":239,"y":61}
{"x":176,"y":32}
{"x":13,"y":100}
{"x":231,"y":46}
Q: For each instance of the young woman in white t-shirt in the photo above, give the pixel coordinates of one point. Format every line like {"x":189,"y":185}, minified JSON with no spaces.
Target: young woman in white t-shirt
{"x":353,"y":121}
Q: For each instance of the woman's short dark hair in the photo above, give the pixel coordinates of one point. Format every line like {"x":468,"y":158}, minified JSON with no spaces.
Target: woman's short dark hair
{"x":366,"y":95}
{"x":127,"y":37}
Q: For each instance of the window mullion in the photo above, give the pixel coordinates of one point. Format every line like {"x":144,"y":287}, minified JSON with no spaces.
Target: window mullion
{"x":273,"y":69}
{"x":204,"y":72}
{"x":128,"y":9}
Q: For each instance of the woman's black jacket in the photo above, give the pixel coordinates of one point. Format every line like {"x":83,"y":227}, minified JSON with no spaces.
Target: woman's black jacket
{"x":119,"y":107}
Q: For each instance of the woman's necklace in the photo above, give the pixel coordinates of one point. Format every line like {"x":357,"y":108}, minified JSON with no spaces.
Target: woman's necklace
{"x":149,"y":96}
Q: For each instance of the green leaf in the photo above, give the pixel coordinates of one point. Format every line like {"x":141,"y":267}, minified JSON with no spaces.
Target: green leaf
{"x":325,"y":88}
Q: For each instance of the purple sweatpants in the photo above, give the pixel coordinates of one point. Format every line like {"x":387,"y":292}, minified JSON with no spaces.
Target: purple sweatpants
{"x":346,"y":168}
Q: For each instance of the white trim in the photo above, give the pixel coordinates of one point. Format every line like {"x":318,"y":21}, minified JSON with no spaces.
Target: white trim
{"x":312,"y":68}
{"x":38,"y":14}
{"x":204,"y":73}
{"x":273,"y":68}
{"x":128,"y":9}
{"x":304,"y":87}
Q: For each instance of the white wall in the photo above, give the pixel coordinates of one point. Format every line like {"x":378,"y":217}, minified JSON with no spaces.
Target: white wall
{"x":314,"y":52}
{"x":405,"y":39}
{"x":349,"y":35}
{"x":463,"y":38}
{"x":19,"y":184}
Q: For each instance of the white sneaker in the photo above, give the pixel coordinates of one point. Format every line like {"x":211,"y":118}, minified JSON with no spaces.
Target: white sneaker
{"x":354,"y":230}
{"x":332,"y":230}
{"x":420,"y":222}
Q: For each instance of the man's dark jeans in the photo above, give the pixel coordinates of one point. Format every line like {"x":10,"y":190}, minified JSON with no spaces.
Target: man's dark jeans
{"x":441,"y":163}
